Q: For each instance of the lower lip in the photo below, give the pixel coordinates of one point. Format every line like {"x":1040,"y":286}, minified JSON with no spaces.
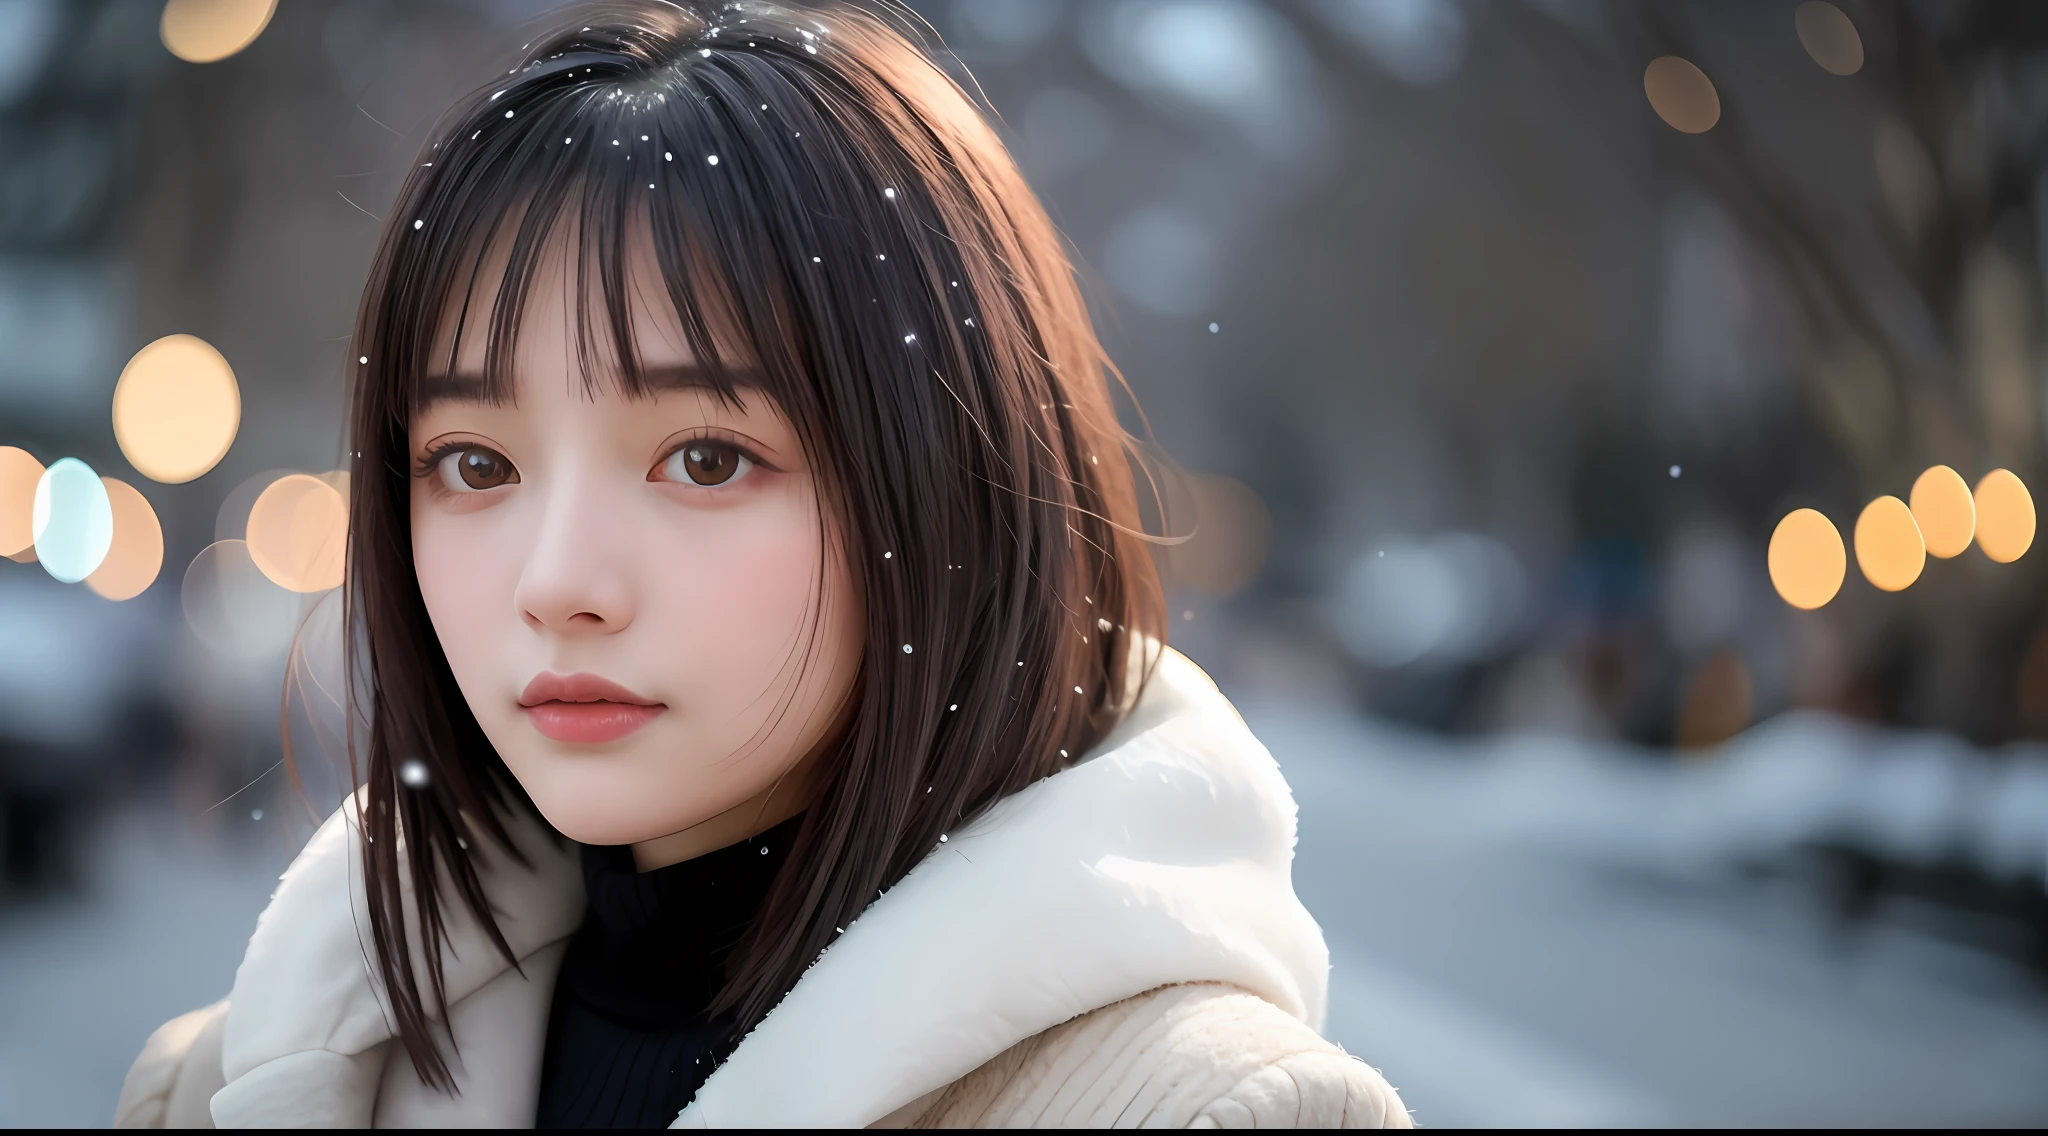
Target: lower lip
{"x":589,"y":723}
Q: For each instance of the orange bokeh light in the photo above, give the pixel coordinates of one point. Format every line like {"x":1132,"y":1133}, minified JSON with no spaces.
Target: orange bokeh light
{"x":1681,"y":94}
{"x":1889,"y":548}
{"x":1943,"y":508}
{"x":176,"y":409}
{"x":19,"y":472}
{"x":298,"y":533}
{"x":137,"y":554}
{"x":2005,"y":516}
{"x":1807,"y":560}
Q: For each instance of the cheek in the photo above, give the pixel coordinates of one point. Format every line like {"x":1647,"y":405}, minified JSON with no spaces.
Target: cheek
{"x":468,"y":568}
{"x":738,"y":594}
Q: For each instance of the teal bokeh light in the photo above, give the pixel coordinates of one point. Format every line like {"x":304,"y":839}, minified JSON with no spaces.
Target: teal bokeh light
{"x":73,"y":520}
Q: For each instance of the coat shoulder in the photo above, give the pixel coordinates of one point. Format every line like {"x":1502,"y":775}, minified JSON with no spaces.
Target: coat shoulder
{"x":1201,"y":1055}
{"x":172,"y":1082}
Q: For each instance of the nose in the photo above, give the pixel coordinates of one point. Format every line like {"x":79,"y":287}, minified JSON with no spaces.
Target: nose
{"x":575,"y":580}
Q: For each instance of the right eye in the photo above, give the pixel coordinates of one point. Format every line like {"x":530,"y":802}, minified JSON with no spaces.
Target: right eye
{"x":473,"y":469}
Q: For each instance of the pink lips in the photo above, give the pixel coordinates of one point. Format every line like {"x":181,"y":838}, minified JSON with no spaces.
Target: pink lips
{"x":585,"y":709}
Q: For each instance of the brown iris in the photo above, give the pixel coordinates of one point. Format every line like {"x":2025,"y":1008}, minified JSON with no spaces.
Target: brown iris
{"x":482,"y":469}
{"x":709,"y":463}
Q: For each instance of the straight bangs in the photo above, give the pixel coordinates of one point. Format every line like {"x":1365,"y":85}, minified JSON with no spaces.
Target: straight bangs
{"x":832,"y":225}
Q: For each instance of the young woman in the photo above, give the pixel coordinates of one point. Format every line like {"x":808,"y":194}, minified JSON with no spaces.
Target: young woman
{"x":763,"y":656}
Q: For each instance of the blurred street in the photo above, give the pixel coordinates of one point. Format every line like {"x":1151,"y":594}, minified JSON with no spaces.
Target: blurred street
{"x":1501,"y":978}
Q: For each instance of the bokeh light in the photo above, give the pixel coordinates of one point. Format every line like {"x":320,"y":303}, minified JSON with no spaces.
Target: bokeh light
{"x":1889,"y":547}
{"x":298,"y":533}
{"x":231,"y":521}
{"x":207,"y":31}
{"x":1681,"y":94}
{"x":137,"y":553}
{"x":232,"y":607}
{"x":1807,"y":560}
{"x":1945,"y":511}
{"x":73,"y":520}
{"x":19,"y":473}
{"x":2005,"y":516}
{"x":1719,"y":702}
{"x":176,"y":409}
{"x":1829,"y":36}
{"x":1232,"y":534}
{"x":338,"y":478}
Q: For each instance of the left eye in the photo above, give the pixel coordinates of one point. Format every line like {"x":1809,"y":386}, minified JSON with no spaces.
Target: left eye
{"x":706,"y":462}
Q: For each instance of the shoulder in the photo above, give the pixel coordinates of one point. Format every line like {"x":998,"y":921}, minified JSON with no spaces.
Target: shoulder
{"x":173,"y":1081}
{"x":1201,"y":1055}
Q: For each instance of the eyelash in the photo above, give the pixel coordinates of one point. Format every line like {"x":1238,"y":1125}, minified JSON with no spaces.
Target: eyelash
{"x":430,"y":461}
{"x":723,"y":438}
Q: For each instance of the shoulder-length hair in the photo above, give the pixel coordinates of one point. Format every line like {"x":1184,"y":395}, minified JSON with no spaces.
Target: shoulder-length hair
{"x":818,"y":191}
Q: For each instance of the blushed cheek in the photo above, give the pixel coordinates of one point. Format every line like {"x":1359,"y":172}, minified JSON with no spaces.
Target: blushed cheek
{"x":742,"y":611}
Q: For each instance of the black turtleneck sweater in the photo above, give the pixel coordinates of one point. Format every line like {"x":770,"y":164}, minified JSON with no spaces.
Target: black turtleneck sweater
{"x":629,"y":1039}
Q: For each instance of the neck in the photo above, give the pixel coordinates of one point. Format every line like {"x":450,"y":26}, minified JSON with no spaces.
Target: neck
{"x":751,"y":817}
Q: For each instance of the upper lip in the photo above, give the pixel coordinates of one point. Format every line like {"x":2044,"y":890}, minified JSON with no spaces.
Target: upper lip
{"x":550,"y":687}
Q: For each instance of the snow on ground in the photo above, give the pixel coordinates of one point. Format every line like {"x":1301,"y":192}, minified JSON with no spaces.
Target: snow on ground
{"x":1526,"y":931}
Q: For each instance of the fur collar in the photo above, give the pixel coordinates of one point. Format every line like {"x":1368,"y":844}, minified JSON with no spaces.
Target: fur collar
{"x":1163,"y":858}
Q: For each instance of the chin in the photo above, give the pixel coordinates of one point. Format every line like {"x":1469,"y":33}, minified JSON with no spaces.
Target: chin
{"x":595,"y":809}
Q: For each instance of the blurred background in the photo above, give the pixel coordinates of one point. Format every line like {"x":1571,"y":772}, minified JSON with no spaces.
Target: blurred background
{"x":1500,"y":338}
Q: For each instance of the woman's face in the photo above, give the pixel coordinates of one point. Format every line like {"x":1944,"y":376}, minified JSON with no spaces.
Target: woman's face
{"x":650,"y":616}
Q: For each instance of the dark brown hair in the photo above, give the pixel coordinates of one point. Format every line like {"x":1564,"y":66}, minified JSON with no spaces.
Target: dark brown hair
{"x":818,"y":190}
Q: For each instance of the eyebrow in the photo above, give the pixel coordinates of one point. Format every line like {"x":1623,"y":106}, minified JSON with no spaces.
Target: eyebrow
{"x":470,"y":386}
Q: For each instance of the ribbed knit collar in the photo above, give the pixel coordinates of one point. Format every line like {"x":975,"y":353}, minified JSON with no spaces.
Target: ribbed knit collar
{"x":653,"y":946}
